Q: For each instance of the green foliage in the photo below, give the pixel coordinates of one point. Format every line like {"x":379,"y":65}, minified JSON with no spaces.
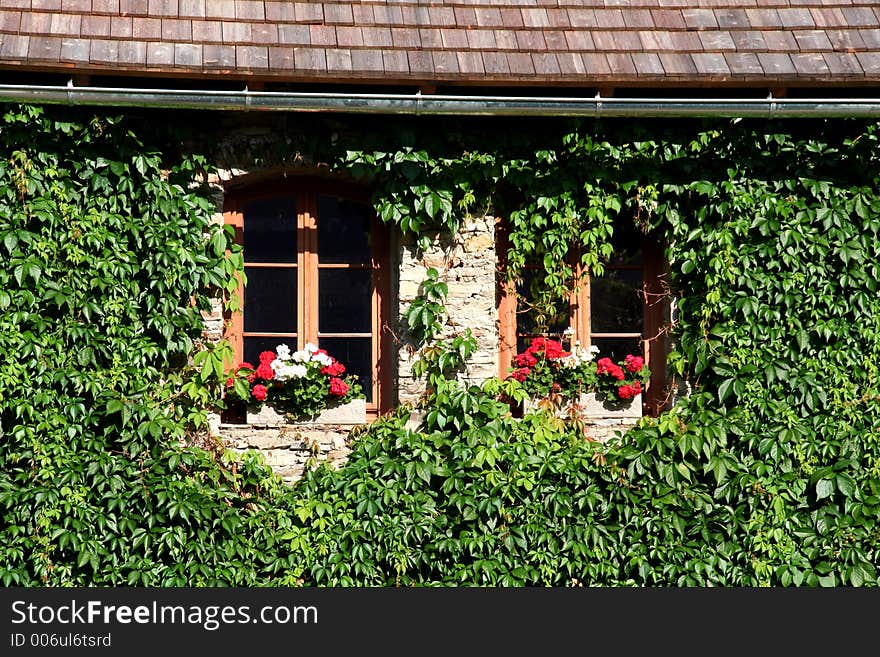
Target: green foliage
{"x":109,"y":259}
{"x":424,"y":317}
{"x":767,"y":474}
{"x":444,"y":359}
{"x":559,"y":211}
{"x":472,"y":498}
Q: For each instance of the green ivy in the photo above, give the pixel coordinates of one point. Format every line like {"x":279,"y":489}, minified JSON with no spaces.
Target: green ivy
{"x":108,"y":475}
{"x":425,"y":314}
{"x":767,"y":474}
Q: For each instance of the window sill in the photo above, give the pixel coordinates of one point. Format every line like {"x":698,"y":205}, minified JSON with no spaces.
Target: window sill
{"x":592,"y":406}
{"x":352,"y":413}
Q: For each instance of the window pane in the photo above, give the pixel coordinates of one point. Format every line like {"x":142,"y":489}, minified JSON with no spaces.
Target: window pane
{"x":253,"y":347}
{"x":617,"y":348}
{"x":528,"y":320}
{"x":627,"y":243}
{"x":270,"y":230}
{"x":270,"y":300}
{"x":616,"y":301}
{"x":357,"y":356}
{"x":344,"y":301}
{"x":343,"y":231}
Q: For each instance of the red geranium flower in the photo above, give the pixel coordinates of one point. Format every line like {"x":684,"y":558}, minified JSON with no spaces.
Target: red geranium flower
{"x":259,"y":392}
{"x":606,"y":366}
{"x":338,"y":387}
{"x":267,"y":357}
{"x":333,"y":369}
{"x":550,"y":348}
{"x":521,"y":374}
{"x":634,"y":363}
{"x":629,"y":391}
{"x":525,"y":359}
{"x":265,"y":371}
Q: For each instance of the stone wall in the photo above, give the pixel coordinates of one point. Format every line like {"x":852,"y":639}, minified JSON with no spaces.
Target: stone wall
{"x":290,"y":449}
{"x":600,"y":421}
{"x":467,"y":264}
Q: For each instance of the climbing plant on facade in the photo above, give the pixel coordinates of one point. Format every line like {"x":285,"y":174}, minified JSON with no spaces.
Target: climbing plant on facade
{"x":108,"y":260}
{"x":768,"y":473}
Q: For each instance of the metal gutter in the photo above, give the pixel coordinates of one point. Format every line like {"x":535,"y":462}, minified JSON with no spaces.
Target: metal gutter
{"x":419,"y":104}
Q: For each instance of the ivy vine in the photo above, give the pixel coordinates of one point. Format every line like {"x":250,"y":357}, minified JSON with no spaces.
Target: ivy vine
{"x":767,"y":474}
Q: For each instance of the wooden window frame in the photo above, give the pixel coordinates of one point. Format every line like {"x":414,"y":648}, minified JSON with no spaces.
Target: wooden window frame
{"x":654,"y":399}
{"x":307,"y":191}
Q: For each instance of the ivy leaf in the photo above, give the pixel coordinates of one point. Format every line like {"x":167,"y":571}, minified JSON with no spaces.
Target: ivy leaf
{"x":433,"y":204}
{"x":725,"y":388}
{"x":845,"y":484}
{"x":85,"y":356}
{"x":824,"y":488}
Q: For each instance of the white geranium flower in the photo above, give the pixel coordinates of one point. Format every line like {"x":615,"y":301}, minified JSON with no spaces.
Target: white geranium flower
{"x":298,"y":371}
{"x":323,"y":359}
{"x":301,"y":356}
{"x":282,"y":372}
{"x":310,"y":348}
{"x":282,"y":351}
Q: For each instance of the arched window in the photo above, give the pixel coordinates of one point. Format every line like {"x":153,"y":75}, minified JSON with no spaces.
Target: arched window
{"x":316,"y":263}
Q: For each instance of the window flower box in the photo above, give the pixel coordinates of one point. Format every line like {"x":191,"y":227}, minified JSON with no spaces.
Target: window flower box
{"x":308,"y":386}
{"x":600,"y":388}
{"x":353,"y":412}
{"x":592,"y":406}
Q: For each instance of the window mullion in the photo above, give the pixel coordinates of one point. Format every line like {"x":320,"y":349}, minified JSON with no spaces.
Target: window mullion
{"x":580,"y":308}
{"x":307,"y":278}
{"x":234,"y":332}
{"x":312,"y":269}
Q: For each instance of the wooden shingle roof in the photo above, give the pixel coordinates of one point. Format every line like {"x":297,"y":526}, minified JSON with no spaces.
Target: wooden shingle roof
{"x":493,"y":42}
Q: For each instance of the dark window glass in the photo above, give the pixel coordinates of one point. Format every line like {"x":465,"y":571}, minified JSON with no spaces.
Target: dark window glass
{"x":270,"y":298}
{"x":343,"y":231}
{"x":357,"y":356}
{"x":270,"y":230}
{"x":344,"y":301}
{"x":617,"y":348}
{"x":616,"y":301}
{"x":627,"y":243}
{"x":253,"y":347}
{"x":528,"y":321}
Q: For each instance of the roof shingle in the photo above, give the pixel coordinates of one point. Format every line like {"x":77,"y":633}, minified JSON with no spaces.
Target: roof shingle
{"x":578,"y":42}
